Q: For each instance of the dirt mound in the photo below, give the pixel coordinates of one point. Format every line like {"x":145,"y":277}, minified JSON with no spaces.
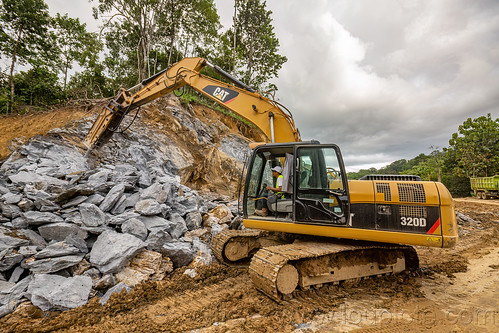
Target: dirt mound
{"x":17,"y":129}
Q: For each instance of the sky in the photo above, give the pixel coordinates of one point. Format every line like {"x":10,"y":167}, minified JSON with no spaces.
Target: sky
{"x":384,"y":79}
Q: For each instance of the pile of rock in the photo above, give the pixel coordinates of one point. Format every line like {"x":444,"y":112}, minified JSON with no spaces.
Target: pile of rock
{"x":70,"y":230}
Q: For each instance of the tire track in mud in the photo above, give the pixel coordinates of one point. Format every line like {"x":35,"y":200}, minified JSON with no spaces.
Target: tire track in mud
{"x":191,"y":302}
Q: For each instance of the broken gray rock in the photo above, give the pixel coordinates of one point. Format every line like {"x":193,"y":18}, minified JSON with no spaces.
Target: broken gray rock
{"x":75,"y":201}
{"x":23,"y":178}
{"x":26,"y":204}
{"x":58,"y":249}
{"x":95,"y":199}
{"x":91,"y":215}
{"x":193,"y":220}
{"x":177,"y":226}
{"x":53,"y":292}
{"x":51,"y":265}
{"x":122,"y":218}
{"x":80,"y":190}
{"x":157,"y":237}
{"x":28,"y":251}
{"x":148,"y":207}
{"x":7,"y":242}
{"x":9,"y":258}
{"x":11,"y":297}
{"x":112,"y":250}
{"x":77,"y":242}
{"x":16,"y":274}
{"x":181,"y":253}
{"x":112,"y":197}
{"x":154,"y":222}
{"x":59,"y":231}
{"x":34,"y":238}
{"x":19,"y":223}
{"x":135,"y":227}
{"x":10,"y":211}
{"x":156,"y":191}
{"x":34,"y":218}
{"x":11,"y":198}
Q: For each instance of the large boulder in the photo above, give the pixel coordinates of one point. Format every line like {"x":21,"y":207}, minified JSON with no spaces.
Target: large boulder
{"x":112,"y":250}
{"x":53,"y":292}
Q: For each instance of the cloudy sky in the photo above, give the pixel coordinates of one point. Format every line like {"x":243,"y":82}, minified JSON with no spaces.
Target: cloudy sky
{"x":383,"y":79}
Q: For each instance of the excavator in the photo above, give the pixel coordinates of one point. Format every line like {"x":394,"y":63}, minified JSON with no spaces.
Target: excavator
{"x":322,"y":228}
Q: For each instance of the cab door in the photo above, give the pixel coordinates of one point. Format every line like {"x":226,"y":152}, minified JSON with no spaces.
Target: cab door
{"x":320,"y":186}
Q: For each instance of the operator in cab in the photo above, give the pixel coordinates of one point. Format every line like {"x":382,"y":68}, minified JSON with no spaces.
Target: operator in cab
{"x":267,"y":199}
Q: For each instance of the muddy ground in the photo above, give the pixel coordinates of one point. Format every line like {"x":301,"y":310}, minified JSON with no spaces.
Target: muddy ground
{"x":455,"y":290}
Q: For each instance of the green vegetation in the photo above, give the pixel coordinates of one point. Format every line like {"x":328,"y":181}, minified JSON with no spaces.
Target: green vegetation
{"x":473,"y":152}
{"x":55,"y":59}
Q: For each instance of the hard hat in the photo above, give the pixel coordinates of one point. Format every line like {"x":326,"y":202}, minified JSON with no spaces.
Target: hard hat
{"x":278,"y":169}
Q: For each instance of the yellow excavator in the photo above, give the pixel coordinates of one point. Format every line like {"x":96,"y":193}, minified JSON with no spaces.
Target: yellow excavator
{"x":322,"y":227}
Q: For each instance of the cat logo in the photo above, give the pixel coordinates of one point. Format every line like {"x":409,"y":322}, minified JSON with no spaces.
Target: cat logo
{"x":222,"y":94}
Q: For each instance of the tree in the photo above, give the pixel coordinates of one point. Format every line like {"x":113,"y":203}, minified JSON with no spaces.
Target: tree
{"x":256,"y":45}
{"x":140,"y":32}
{"x":23,"y":34}
{"x":142,"y":17}
{"x":475,"y":147}
{"x":74,"y":43}
{"x":38,"y":86}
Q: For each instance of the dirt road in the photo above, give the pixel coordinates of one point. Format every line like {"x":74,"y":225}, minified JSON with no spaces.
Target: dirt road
{"x":454,"y":291}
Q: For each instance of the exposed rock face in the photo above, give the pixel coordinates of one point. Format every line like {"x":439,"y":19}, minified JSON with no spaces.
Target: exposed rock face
{"x":73,"y":226}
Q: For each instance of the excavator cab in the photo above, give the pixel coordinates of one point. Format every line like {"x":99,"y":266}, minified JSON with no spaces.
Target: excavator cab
{"x":314,"y":189}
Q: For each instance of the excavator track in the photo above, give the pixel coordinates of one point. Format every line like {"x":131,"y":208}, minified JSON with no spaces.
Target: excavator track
{"x":278,"y":270}
{"x":232,"y":246}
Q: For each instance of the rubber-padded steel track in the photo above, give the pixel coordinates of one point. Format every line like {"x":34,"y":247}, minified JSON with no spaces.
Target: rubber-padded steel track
{"x":267,"y":262}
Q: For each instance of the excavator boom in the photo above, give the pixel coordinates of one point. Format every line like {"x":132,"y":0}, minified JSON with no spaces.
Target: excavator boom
{"x":266,"y":114}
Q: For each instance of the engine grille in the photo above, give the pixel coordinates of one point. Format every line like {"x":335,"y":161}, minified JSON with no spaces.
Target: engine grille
{"x":411,"y":193}
{"x":385,"y":189}
{"x":413,"y":211}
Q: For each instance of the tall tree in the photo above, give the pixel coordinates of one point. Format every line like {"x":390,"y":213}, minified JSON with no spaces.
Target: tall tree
{"x":141,"y":32}
{"x":141,"y":16}
{"x":23,"y":34}
{"x":256,"y":44}
{"x":475,"y":147}
{"x":187,"y":26}
{"x":75,"y":44}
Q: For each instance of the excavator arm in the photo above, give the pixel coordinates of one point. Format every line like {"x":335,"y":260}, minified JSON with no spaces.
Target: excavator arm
{"x":266,"y":114}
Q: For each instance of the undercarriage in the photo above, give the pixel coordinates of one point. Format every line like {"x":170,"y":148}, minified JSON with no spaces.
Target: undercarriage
{"x":279,"y":264}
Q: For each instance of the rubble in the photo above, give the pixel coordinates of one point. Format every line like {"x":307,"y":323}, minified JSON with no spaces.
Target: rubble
{"x":75,"y":226}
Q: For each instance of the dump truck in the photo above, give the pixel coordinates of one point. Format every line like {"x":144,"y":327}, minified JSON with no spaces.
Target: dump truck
{"x":485,"y":187}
